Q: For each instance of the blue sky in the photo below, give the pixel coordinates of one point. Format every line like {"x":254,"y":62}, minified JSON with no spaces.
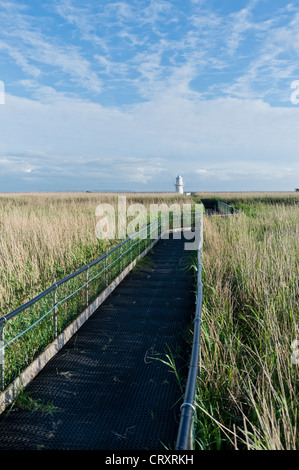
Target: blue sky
{"x":125,"y":95}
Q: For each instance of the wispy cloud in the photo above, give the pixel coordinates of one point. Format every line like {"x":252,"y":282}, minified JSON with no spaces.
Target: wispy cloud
{"x":241,"y":22}
{"x":152,"y":46}
{"x":138,"y":90}
{"x":273,"y":61}
{"x":32,"y":49}
{"x":245,"y":174}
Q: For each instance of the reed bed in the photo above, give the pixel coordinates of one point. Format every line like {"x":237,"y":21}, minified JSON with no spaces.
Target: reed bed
{"x":247,"y":396}
{"x":44,"y":238}
{"x":47,"y":236}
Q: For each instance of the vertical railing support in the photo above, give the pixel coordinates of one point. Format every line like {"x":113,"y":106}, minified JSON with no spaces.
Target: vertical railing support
{"x":55,"y":311}
{"x":106,"y":270}
{"x":87,"y":287}
{"x":120,"y":258}
{"x":2,"y":356}
{"x":143,"y":234}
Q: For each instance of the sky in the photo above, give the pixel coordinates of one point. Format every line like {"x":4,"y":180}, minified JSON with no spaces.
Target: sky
{"x":100,"y":95}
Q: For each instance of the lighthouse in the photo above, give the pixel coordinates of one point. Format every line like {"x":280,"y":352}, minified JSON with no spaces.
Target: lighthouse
{"x":179,"y":187}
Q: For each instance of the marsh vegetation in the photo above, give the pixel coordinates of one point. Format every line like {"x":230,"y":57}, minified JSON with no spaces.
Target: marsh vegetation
{"x":248,"y":388}
{"x":247,"y":394}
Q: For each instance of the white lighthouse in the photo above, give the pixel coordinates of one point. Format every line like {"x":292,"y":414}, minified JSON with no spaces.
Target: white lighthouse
{"x":179,"y":187}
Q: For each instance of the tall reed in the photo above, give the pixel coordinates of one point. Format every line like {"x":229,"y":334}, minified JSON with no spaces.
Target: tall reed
{"x":46,"y":236}
{"x":248,"y":388}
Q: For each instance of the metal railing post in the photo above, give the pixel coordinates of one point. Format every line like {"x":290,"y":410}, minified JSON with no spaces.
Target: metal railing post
{"x":106,"y":271}
{"x":55,"y":311}
{"x":185,"y":433}
{"x":2,"y":356}
{"x":120,"y":258}
{"x":87,"y":287}
{"x":109,"y":257}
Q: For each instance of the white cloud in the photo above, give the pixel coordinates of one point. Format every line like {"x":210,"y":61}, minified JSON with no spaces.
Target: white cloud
{"x":240,"y":22}
{"x":259,"y":172}
{"x":20,"y":60}
{"x":275,"y":58}
{"x":78,"y":140}
{"x":168,"y":63}
{"x":28,"y":45}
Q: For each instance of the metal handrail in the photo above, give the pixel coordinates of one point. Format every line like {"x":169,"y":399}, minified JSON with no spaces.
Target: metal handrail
{"x":31,"y":302}
{"x":185,"y":438}
{"x":157,"y":223}
{"x":230,"y":210}
{"x":185,"y":434}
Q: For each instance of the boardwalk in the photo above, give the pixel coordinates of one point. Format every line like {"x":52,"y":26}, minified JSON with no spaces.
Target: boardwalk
{"x":108,"y":387}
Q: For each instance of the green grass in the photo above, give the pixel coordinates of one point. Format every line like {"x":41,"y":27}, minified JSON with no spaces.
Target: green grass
{"x":43,"y":239}
{"x":247,"y":394}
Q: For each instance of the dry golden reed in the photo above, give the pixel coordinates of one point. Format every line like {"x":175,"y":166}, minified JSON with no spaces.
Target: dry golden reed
{"x":46,"y":236}
{"x":248,"y":389}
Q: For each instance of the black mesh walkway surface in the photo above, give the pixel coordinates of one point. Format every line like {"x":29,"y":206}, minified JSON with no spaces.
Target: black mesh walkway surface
{"x":109,"y":388}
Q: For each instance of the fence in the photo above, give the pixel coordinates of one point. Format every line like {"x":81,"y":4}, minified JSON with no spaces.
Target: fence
{"x":28,"y":330}
{"x":185,"y":438}
{"x":185,"y":432}
{"x":225,"y":209}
